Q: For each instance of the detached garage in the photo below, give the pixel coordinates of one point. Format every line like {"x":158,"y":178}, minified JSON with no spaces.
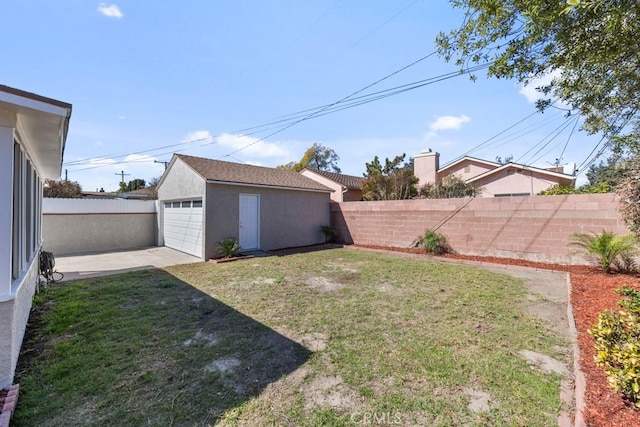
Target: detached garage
{"x":203,"y":201}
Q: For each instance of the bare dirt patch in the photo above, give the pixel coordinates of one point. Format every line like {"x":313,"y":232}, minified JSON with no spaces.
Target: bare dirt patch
{"x":332,"y":392}
{"x":323,"y":284}
{"x":479,"y":401}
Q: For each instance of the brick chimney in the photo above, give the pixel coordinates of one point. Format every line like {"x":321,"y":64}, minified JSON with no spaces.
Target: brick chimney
{"x":425,"y":166}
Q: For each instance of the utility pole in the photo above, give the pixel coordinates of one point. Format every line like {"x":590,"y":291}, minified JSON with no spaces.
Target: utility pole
{"x":66,"y":175}
{"x":164,"y":163}
{"x":122,"y":174}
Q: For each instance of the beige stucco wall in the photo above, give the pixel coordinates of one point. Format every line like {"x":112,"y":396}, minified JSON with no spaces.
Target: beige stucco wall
{"x":288,"y":218}
{"x":516,"y":182}
{"x":475,"y":169}
{"x":181,"y":183}
{"x":66,"y":234}
{"x":14,"y":314}
{"x":336,"y":195}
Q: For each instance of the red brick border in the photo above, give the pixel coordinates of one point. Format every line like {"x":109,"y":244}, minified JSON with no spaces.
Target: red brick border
{"x":9,"y":405}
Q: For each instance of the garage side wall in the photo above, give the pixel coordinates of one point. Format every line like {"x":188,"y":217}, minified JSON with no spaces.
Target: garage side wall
{"x":288,"y":218}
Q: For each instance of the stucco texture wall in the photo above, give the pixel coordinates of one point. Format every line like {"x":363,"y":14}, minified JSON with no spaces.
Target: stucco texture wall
{"x":14,"y":314}
{"x":288,"y":218}
{"x":181,"y":183}
{"x":67,"y":234}
{"x":536,"y":228}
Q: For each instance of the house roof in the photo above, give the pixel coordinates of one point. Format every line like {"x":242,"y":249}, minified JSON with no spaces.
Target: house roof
{"x":238,"y":173}
{"x":42,"y":125}
{"x":349,"y":181}
{"x":468,"y":158}
{"x":521,"y":167}
{"x":146,"y":192}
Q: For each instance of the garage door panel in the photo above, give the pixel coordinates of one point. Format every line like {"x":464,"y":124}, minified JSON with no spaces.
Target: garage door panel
{"x":183,"y":228}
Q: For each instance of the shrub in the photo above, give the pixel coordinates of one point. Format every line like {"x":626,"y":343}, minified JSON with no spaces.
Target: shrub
{"x":450,"y":187}
{"x":329,"y":232}
{"x":617,"y":336}
{"x":601,"y":187}
{"x":607,"y":248}
{"x":228,"y":247}
{"x":435,"y":243}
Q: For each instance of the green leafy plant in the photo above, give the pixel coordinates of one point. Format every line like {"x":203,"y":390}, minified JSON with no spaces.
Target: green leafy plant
{"x":329,"y":232}
{"x":228,"y":247}
{"x":435,"y":243}
{"x":607,"y":248}
{"x":617,"y":336}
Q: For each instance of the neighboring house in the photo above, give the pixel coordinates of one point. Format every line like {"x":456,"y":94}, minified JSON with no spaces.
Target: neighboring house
{"x":148,"y":193}
{"x":346,"y":188}
{"x":494,"y":179}
{"x":33,"y":132}
{"x":203,"y":201}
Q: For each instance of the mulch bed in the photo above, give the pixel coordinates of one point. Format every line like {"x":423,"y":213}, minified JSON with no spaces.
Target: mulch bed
{"x":592,"y":291}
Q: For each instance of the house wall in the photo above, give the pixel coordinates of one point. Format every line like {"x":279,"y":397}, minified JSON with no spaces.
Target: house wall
{"x":14,"y":313}
{"x":352,"y":195}
{"x":72,"y":226}
{"x":288,"y":218}
{"x":475,"y":169}
{"x":514,"y":181}
{"x":536,"y":228}
{"x":336,"y":195}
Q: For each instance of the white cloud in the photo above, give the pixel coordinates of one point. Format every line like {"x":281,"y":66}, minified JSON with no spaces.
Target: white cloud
{"x":197,"y":136}
{"x":251,"y":146}
{"x":121,"y":117}
{"x":110,"y":10}
{"x":448,"y":122}
{"x":529,"y":90}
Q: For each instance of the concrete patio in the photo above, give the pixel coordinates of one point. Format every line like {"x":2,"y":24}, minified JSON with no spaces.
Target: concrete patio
{"x":101,"y":264}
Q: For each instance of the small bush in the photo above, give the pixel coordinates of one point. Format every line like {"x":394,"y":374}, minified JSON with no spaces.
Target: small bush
{"x":435,"y":243}
{"x":608,"y":249}
{"x":617,"y":336}
{"x":329,"y":232}
{"x":229,"y":247}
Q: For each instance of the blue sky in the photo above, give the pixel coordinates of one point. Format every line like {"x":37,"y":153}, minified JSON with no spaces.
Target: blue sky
{"x":145,"y":75}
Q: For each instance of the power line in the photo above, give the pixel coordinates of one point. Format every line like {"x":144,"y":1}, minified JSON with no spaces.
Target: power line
{"x":321,"y":111}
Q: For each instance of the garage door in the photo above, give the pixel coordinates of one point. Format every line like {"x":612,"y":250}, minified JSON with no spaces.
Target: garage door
{"x":183,"y":226}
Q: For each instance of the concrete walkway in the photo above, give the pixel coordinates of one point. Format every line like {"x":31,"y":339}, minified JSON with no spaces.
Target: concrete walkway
{"x":101,"y":264}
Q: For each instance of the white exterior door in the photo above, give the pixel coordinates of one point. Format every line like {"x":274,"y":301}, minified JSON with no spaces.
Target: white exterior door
{"x":183,"y":226}
{"x":249,"y":221}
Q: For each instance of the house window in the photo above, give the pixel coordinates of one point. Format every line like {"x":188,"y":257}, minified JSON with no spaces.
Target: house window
{"x":167,"y":204}
{"x":511,"y":194}
{"x":186,"y":204}
{"x":27,"y":190}
{"x":197,"y":203}
{"x":176,"y":204}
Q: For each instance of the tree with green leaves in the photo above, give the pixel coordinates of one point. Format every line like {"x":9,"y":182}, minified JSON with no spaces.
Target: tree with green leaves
{"x":629,"y":195}
{"x":62,"y":189}
{"x":132,"y":185}
{"x":392,"y":181}
{"x":590,"y":47}
{"x":317,"y":157}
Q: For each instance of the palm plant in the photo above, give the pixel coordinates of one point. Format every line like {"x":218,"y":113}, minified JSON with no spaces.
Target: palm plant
{"x":607,"y":248}
{"x":228,"y":247}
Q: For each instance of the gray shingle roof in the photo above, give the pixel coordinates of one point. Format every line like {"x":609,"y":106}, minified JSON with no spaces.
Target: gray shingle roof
{"x":349,"y":181}
{"x":217,"y":170}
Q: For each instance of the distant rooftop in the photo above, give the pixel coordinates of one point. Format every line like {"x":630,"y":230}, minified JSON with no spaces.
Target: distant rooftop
{"x":349,"y":181}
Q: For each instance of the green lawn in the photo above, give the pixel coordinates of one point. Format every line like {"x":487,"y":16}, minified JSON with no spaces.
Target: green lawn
{"x":334,"y":337}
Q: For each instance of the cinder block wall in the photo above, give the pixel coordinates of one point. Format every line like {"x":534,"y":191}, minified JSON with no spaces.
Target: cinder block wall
{"x":535,"y":228}
{"x":74,"y":226}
